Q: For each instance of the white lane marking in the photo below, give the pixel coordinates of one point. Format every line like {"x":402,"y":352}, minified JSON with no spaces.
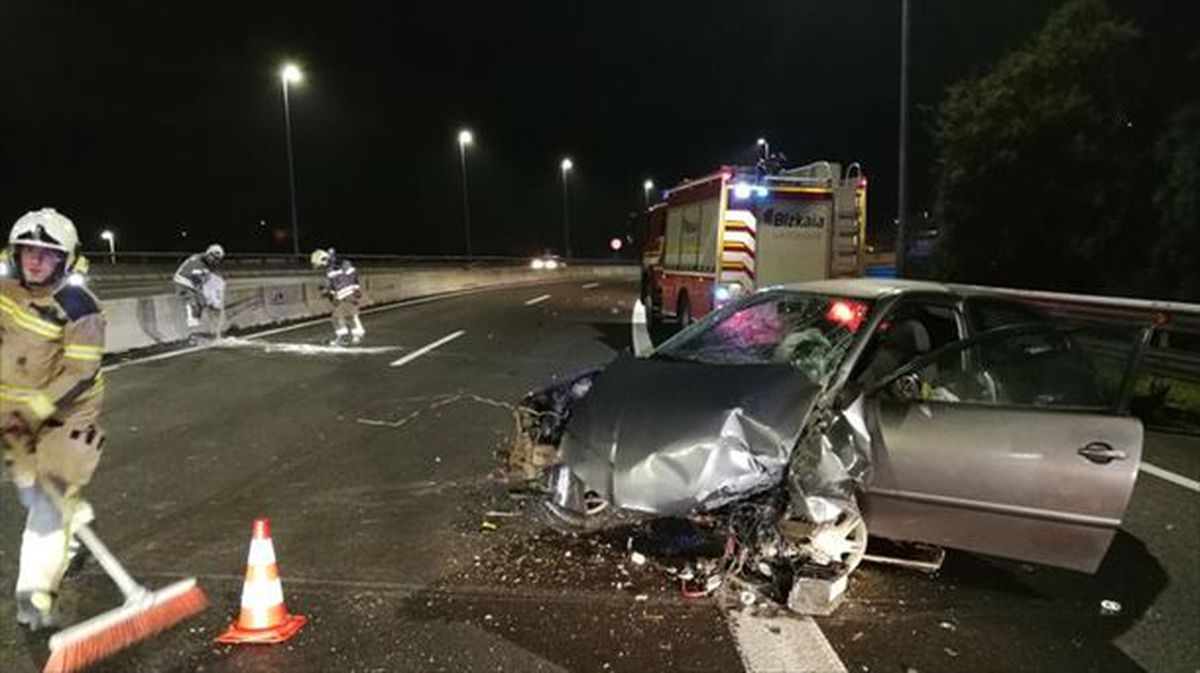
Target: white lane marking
{"x":425,"y":349}
{"x":1177,"y":479}
{"x":782,"y":643}
{"x":537,"y":300}
{"x":152,"y":358}
{"x":590,"y":286}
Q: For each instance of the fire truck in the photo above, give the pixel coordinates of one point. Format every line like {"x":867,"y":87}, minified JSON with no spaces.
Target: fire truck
{"x":716,"y":238}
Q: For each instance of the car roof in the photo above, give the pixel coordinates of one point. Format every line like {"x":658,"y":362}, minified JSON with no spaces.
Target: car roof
{"x":876,"y":288}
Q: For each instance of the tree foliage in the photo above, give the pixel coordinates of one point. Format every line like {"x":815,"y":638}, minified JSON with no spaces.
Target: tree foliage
{"x":1040,"y":178}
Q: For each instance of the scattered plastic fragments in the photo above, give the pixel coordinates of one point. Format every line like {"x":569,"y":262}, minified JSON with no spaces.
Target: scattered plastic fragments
{"x":1109,"y":607}
{"x":638,"y":558}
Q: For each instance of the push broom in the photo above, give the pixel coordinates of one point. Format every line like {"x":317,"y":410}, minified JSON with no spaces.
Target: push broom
{"x":143,"y":614}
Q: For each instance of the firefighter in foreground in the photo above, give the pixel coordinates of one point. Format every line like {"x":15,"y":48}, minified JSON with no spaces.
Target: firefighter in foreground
{"x":51,"y":345}
{"x":342,"y":288}
{"x":200,"y":287}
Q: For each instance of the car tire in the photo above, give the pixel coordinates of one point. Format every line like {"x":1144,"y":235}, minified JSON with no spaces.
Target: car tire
{"x":683,"y":311}
{"x":568,"y":521}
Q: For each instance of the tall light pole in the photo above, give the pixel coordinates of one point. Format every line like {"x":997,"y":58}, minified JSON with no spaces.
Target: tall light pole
{"x":288,"y":75}
{"x":566,"y":166}
{"x":465,"y":138}
{"x":647,"y":186}
{"x":902,"y":181}
{"x":766,"y":147}
{"x":107,"y":235}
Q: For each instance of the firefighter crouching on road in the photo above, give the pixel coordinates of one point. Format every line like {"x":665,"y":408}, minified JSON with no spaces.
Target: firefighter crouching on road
{"x":191,"y":278}
{"x":51,"y":345}
{"x":342,"y":288}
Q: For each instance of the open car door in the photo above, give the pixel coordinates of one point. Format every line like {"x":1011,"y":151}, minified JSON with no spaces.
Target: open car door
{"x":1014,"y":443}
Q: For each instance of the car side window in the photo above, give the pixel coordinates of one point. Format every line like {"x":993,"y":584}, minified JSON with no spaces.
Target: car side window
{"x":912,"y":330}
{"x":987,"y":313}
{"x":1042,"y":367}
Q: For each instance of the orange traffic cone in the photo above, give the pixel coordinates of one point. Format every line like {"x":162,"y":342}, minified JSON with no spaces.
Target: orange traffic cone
{"x":263,"y":619}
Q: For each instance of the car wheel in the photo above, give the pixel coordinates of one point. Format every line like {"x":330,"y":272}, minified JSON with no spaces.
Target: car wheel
{"x":598,"y":514}
{"x":683,"y":311}
{"x":843,"y":541}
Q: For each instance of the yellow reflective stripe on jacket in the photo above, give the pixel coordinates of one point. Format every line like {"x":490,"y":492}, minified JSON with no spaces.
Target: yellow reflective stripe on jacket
{"x":36,"y":400}
{"x":82,"y":352}
{"x":28,"y":320}
{"x":96,"y":389}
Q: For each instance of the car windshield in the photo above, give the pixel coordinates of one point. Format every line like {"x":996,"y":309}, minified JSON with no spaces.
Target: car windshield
{"x":811,"y":332}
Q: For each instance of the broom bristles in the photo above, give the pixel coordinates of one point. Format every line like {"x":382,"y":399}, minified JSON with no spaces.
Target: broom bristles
{"x":80,"y":646}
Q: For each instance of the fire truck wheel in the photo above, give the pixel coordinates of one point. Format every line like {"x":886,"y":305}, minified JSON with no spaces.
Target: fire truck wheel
{"x":684,"y":311}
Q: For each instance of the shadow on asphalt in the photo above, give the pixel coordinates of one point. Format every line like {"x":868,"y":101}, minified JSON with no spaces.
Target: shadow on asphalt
{"x":980,"y":613}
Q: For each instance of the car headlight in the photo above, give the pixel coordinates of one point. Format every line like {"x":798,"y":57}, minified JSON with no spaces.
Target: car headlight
{"x":537,"y":264}
{"x":551,"y":264}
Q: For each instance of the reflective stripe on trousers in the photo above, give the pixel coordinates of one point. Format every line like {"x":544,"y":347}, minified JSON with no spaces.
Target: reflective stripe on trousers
{"x":44,"y":544}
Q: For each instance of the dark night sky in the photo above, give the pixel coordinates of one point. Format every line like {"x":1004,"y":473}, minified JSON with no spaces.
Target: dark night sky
{"x":154,"y":116}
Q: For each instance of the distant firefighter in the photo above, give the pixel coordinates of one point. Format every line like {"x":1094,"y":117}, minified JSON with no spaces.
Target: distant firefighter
{"x":200,"y":287}
{"x":342,"y":288}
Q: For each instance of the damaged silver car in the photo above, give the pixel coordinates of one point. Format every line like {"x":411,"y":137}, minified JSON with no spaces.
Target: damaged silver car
{"x":804,"y":416}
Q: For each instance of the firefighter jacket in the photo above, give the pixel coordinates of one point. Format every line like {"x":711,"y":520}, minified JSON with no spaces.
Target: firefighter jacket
{"x":51,"y":345}
{"x":341,"y":280}
{"x":193,"y":272}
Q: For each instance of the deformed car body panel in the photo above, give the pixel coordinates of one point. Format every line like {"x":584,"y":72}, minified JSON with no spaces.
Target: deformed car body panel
{"x":671,"y":438}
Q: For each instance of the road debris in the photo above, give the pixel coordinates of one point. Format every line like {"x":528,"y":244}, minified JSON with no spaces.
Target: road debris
{"x":1109,"y":607}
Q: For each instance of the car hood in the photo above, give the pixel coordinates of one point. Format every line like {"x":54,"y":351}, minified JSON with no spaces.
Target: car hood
{"x":669,"y":437}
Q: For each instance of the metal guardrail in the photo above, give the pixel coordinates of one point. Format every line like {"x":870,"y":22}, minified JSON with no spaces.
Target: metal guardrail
{"x":234,"y":264}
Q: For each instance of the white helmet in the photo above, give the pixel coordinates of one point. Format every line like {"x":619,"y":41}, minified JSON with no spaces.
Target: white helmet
{"x":319,"y":258}
{"x":215,"y":252}
{"x":46,"y":228}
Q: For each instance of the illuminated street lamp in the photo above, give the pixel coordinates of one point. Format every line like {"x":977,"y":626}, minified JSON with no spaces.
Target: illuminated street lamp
{"x":111,"y":238}
{"x":291,"y":74}
{"x":766,"y":147}
{"x":647,"y":186}
{"x":465,"y":138}
{"x":566,"y":166}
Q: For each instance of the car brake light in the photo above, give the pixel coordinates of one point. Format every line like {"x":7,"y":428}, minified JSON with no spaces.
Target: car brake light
{"x":847,"y":313}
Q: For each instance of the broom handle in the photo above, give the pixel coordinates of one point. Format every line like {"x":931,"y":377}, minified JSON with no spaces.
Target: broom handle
{"x":116,"y":572}
{"x":121,"y":577}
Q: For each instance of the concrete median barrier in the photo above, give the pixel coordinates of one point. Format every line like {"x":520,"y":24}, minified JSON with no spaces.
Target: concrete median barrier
{"x":141,"y":322}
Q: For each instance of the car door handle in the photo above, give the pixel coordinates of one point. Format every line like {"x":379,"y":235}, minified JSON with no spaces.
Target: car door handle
{"x":1099,"y":452}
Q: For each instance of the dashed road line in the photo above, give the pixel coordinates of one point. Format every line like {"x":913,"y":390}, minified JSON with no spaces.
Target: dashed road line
{"x":590,"y":286}
{"x":537,"y":300}
{"x":1177,"y":479}
{"x":425,"y":349}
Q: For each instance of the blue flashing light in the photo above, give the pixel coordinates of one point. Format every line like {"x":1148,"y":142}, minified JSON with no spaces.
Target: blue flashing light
{"x":760,"y":191}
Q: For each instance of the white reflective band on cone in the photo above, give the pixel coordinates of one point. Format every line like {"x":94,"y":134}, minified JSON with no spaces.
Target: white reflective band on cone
{"x":259,"y":595}
{"x":262,"y":554}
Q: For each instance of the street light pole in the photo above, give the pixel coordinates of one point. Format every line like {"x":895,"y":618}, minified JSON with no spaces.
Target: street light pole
{"x":566,"y":166}
{"x":647,"y":186}
{"x":902,"y":182}
{"x":766,"y":148}
{"x":465,"y":138}
{"x":107,"y":235}
{"x":291,"y":75}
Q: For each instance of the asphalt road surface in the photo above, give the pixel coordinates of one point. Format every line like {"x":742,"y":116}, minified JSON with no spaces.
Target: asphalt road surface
{"x":379,"y":480}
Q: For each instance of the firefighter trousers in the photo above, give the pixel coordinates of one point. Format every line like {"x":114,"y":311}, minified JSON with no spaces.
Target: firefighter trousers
{"x":346,"y":322}
{"x":63,"y":455}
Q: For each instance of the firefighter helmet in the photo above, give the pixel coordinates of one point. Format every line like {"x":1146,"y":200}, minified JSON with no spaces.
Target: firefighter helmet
{"x":46,"y":228}
{"x":214,"y":253}
{"x":320,"y":258}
